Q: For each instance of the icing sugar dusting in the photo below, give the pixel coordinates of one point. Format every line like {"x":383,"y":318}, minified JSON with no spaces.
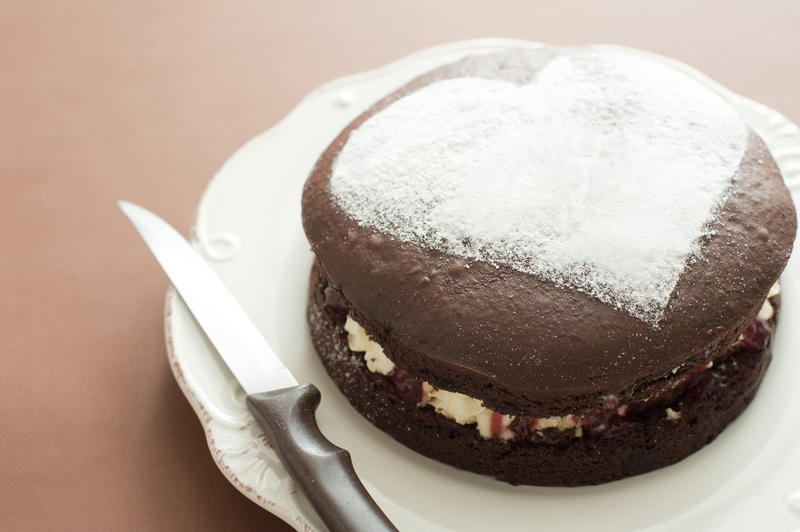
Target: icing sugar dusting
{"x":602,"y":174}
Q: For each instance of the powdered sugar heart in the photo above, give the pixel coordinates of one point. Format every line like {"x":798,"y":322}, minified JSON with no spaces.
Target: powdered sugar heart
{"x":601,"y":174}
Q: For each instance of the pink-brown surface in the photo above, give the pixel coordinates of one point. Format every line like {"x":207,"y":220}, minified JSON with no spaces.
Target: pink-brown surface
{"x":144,"y":101}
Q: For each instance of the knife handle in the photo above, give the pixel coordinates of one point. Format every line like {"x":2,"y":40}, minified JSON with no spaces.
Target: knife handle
{"x":323,"y":471}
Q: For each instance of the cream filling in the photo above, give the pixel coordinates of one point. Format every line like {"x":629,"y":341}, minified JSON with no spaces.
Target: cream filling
{"x":767,"y":311}
{"x":466,"y":410}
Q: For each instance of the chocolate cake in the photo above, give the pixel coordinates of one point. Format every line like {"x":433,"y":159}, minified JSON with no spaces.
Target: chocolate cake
{"x":554,"y":266}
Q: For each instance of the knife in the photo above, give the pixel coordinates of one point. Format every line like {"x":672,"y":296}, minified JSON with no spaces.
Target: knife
{"x":284,"y":410}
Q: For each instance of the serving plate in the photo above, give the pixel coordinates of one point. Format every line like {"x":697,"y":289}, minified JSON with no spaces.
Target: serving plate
{"x":248,"y":226}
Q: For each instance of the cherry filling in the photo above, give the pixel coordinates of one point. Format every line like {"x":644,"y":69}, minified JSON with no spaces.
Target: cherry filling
{"x":756,"y":337}
{"x":523,"y":428}
{"x":408,"y":388}
{"x":496,"y":424}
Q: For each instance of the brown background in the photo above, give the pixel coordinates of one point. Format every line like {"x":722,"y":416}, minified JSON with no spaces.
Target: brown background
{"x":144,"y":101}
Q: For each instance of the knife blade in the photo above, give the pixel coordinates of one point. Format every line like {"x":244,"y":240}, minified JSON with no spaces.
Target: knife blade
{"x":284,"y":410}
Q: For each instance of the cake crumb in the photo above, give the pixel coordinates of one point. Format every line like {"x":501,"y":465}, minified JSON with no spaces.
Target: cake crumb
{"x":672,"y":415}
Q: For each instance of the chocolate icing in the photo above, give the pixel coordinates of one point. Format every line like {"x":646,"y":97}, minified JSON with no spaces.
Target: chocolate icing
{"x":524,"y":345}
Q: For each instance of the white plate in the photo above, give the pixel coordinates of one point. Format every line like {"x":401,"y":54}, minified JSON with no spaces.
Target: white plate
{"x":248,"y":224}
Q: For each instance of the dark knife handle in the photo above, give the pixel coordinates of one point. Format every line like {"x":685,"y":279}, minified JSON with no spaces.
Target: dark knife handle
{"x":323,"y":470}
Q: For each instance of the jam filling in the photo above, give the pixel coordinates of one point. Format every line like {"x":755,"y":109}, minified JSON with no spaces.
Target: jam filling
{"x":407,"y":387}
{"x":600,"y":423}
{"x":756,"y":337}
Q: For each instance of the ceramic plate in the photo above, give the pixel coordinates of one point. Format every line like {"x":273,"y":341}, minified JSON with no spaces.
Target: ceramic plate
{"x":248,"y":225}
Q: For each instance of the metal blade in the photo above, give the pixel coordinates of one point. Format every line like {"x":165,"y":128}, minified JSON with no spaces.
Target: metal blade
{"x":226,"y":324}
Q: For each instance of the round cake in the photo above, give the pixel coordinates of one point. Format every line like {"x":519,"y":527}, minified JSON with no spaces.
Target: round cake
{"x":555,"y":266}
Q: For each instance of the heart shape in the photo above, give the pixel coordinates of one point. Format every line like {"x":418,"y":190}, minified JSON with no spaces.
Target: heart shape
{"x":602,"y":174}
